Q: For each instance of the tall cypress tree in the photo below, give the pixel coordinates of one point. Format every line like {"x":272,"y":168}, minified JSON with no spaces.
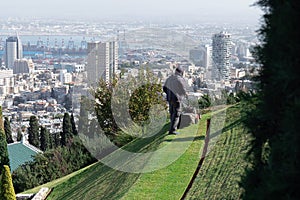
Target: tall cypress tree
{"x":56,"y":140}
{"x":45,"y":139}
{"x":93,"y":129}
{"x":7,"y":191}
{"x":74,"y":129}
{"x":33,"y":132}
{"x":83,"y":122}
{"x":19,"y":135}
{"x":7,"y":130}
{"x":4,"y":159}
{"x":51,"y":141}
{"x":66,"y":134}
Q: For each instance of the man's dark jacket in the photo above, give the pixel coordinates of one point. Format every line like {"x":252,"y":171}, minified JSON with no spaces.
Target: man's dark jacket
{"x":174,"y":88}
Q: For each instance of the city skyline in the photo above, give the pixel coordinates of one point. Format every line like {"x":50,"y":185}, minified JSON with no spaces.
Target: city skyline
{"x":163,"y":10}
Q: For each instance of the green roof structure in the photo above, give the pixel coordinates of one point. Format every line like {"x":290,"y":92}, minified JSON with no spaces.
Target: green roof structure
{"x":20,"y":152}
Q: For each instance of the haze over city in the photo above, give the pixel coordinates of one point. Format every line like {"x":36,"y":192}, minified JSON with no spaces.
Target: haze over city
{"x":156,"y":10}
{"x":149,"y":99}
{"x":80,"y":79}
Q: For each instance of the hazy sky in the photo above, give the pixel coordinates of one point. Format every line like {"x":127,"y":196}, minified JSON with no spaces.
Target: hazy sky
{"x":172,"y":9}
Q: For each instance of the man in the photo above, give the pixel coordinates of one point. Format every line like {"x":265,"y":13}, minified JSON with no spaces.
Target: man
{"x":176,"y":92}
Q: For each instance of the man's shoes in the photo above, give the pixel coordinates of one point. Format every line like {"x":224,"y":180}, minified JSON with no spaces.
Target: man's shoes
{"x":174,"y":133}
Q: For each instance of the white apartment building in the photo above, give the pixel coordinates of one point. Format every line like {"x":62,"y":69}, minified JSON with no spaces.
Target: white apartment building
{"x":13,"y":51}
{"x":208,"y":56}
{"x":102,"y":61}
{"x":79,"y":68}
{"x":64,"y":76}
{"x":7,"y":82}
{"x":221,"y":53}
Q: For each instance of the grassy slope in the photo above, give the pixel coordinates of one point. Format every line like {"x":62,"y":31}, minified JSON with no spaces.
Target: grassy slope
{"x":101,"y":182}
{"x":171,"y":181}
{"x":57,"y":181}
{"x":217,"y":179}
{"x":225,"y":164}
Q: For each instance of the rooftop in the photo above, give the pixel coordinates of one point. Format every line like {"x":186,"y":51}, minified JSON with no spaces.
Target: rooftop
{"x":19,"y":153}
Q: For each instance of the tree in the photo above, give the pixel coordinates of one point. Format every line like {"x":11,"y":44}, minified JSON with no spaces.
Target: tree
{"x":56,"y":140}
{"x":51,"y":165}
{"x":66,"y":134}
{"x":45,"y":139}
{"x":231,"y":99}
{"x":7,"y":130}
{"x":19,"y":135}
{"x":7,"y":191}
{"x":4,"y":159}
{"x":204,"y":101}
{"x":51,"y":141}
{"x":93,"y":128}
{"x":103,"y":94}
{"x":33,"y":132}
{"x":1,"y":119}
{"x":144,"y":97}
{"x":68,"y":101}
{"x":53,"y":95}
{"x":274,"y":115}
{"x":74,"y":129}
{"x":83,"y":122}
{"x":139,"y":94}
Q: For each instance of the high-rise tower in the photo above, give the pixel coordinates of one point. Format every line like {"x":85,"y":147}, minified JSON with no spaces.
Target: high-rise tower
{"x":13,"y":51}
{"x":221,"y":53}
{"x":102,"y":61}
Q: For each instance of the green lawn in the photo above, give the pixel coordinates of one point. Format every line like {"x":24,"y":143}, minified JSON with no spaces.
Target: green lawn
{"x":99,"y":181}
{"x":171,"y":181}
{"x":56,"y":182}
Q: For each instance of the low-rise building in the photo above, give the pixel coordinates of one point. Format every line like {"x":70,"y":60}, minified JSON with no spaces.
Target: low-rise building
{"x":20,"y":153}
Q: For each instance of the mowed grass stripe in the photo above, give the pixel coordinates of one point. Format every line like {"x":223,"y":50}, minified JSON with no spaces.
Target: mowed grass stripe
{"x":171,"y":181}
{"x":223,"y":175}
{"x":228,"y":153}
{"x":225,"y":164}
